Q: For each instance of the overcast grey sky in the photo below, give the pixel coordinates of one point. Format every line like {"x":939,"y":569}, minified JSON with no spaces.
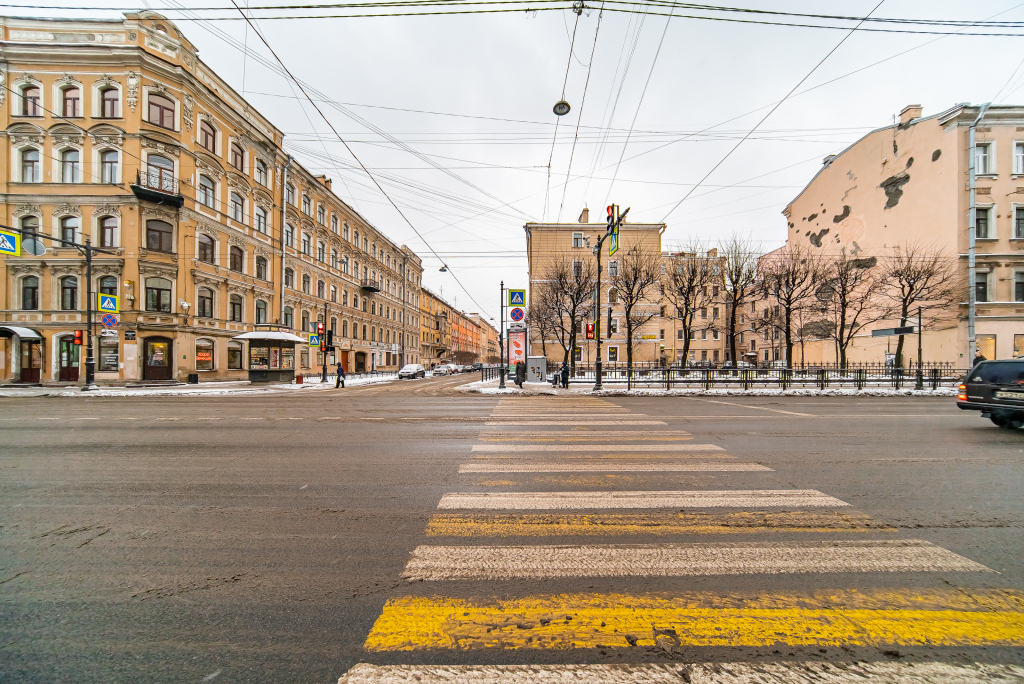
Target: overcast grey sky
{"x":483,"y":87}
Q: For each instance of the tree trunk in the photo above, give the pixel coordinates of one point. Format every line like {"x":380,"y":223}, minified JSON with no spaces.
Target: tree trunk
{"x":732,"y":334}
{"x":789,"y":338}
{"x":904,"y":314}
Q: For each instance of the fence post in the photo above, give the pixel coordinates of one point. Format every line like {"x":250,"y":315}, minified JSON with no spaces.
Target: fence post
{"x":822,"y":378}
{"x":706,"y":379}
{"x":787,"y":378}
{"x":745,"y":379}
{"x":935,"y":378}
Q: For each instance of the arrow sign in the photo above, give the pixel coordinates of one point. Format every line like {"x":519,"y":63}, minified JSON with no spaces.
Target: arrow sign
{"x":10,"y":243}
{"x":108,"y":303}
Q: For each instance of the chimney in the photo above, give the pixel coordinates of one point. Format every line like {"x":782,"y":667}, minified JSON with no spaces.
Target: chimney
{"x":910,"y":112}
{"x":712,"y":253}
{"x":585,"y":215}
{"x":325,"y":181}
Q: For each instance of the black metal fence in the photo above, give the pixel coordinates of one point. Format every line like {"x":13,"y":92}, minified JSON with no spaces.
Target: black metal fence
{"x":490,"y":373}
{"x":332,"y":377}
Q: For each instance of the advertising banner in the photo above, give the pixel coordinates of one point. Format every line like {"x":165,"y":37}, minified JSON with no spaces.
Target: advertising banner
{"x":516,"y":348}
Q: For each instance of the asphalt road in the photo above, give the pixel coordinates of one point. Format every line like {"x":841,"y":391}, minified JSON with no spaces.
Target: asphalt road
{"x":287,"y":538}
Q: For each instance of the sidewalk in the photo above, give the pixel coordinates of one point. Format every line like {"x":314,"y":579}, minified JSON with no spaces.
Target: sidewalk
{"x":544,"y":388}
{"x":204,"y":390}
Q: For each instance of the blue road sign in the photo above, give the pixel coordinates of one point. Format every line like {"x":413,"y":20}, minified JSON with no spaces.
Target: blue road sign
{"x":517,"y":314}
{"x":109,"y":321}
{"x":314,"y":340}
{"x":10,"y":243}
{"x":517,"y":297}
{"x":613,"y":241}
{"x":108,"y":303}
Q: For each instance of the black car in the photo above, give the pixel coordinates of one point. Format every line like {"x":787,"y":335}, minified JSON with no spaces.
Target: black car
{"x":996,"y":388}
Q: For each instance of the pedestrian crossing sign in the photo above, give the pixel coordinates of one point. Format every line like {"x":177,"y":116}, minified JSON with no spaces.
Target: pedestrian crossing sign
{"x":314,"y":340}
{"x":613,"y":241}
{"x":10,"y":243}
{"x":108,"y":303}
{"x":517,"y":297}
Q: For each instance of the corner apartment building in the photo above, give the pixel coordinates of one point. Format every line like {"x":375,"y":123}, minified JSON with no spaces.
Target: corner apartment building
{"x":435,"y":329}
{"x":546,"y":243}
{"x":117,"y":132}
{"x":910,"y":183}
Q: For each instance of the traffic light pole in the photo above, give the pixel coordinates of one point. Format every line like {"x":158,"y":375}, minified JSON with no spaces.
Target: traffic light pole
{"x":501,"y":340}
{"x":614,"y":221}
{"x":323,"y":348}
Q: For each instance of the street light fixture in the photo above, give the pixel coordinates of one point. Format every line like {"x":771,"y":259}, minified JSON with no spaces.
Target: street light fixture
{"x":561,"y":108}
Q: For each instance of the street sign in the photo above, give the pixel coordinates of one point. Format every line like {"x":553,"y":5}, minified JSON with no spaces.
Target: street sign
{"x":517,"y":314}
{"x":107,"y":303}
{"x":649,"y":336}
{"x":129,"y":335}
{"x":613,"y":241}
{"x":10,"y":243}
{"x":109,"y":320}
{"x":889,"y":332}
{"x":517,"y":297}
{"x":108,"y":333}
{"x":314,"y":340}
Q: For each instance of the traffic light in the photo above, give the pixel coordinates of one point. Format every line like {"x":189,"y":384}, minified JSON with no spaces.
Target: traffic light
{"x":330,"y":338}
{"x":590,"y":331}
{"x":321,"y":336}
{"x":79,"y":334}
{"x":611,"y":217}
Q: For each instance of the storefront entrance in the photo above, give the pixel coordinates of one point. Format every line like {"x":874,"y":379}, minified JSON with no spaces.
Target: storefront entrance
{"x":31,"y":361}
{"x":157,"y":358}
{"x":68,"y":360}
{"x":360,"y":362}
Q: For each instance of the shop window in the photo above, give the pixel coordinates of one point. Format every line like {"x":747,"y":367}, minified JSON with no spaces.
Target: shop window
{"x":70,"y":166}
{"x":261,"y":268}
{"x":111,"y":102}
{"x":31,"y":104}
{"x":207,"y":136}
{"x":161,"y":111}
{"x":204,"y":355}
{"x":108,"y":285}
{"x":234,"y":356}
{"x":30,"y":166}
{"x":72,"y":105}
{"x":205,"y":309}
{"x":237,"y":157}
{"x":69,"y":293}
{"x":206,"y":248}
{"x":1018,"y":346}
{"x":109,"y":352}
{"x":108,"y":166}
{"x":158,"y":295}
{"x":235,"y":308}
{"x":261,"y":311}
{"x":30,"y":293}
{"x":237,"y":259}
{"x":159,"y":236}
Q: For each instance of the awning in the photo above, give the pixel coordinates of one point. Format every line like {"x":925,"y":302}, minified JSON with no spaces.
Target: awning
{"x":269,"y":335}
{"x":23,"y":333}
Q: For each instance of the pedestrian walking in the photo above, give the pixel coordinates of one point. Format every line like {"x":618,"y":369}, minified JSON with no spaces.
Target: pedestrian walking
{"x":340,"y":381}
{"x":520,"y":373}
{"x":565,"y":376}
{"x":978,"y":358}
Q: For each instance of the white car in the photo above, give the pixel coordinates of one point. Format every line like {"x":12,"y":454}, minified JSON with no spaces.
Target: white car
{"x":440,"y":370}
{"x":412,"y":371}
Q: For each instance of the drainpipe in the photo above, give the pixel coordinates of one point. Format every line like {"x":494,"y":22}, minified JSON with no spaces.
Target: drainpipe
{"x":972,"y":218}
{"x":284,"y":220}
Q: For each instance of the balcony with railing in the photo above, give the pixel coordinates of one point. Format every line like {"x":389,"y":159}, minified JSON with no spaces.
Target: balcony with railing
{"x":371,"y":285}
{"x":157,"y":184}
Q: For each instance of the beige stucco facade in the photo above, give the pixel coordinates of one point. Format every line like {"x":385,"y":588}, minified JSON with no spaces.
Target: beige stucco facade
{"x":909,"y":183}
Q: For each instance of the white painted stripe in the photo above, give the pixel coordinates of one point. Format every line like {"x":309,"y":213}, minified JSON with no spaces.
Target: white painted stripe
{"x":831,"y":672}
{"x":789,"y":498}
{"x":580,"y":422}
{"x":586,"y":434}
{"x":559,"y":414}
{"x":679,"y":560}
{"x":609,"y":467}
{"x":517,"y":448}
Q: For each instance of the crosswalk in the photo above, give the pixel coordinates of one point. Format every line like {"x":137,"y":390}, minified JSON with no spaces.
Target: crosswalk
{"x":499,"y":581}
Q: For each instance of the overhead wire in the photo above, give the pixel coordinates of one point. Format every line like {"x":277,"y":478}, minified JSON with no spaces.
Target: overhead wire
{"x":554,"y":138}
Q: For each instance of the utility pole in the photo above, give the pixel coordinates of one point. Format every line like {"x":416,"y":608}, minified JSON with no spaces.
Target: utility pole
{"x":405,"y":296}
{"x":87,"y":249}
{"x":614,"y":221}
{"x":920,"y":371}
{"x":323,"y":347}
{"x":501,"y":339}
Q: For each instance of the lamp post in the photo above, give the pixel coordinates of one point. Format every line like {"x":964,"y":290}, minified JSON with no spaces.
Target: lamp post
{"x":614,"y":221}
{"x":501,"y":339}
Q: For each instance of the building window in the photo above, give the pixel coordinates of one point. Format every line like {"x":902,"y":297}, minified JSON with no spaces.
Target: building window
{"x":364,"y":332}
{"x":260,"y":217}
{"x":320,"y":249}
{"x":344,"y":265}
{"x":161,"y":111}
{"x":577,"y":269}
{"x":334,"y":258}
{"x":320,"y":289}
{"x":714,"y":313}
{"x":30,"y":166}
{"x":261,"y":311}
{"x":160,"y":173}
{"x":344,"y":231}
{"x":158,"y":295}
{"x":108,"y":232}
{"x":235,"y":308}
{"x":70,"y":166}
{"x":613,"y":268}
{"x":204,"y":355}
{"x":577,"y":239}
{"x":111,"y":103}
{"x":306,"y":281}
{"x":237,"y":157}
{"x":306,"y":245}
{"x":205,"y":309}
{"x":207,"y":136}
{"x":613,"y":326}
{"x":29,"y":244}
{"x":261,"y":173}
{"x":206,"y":248}
{"x":289,"y":278}
{"x":108,"y":166}
{"x":714,"y":335}
{"x":206,"y":191}
{"x":984,"y":158}
{"x":334,"y":293}
{"x":261,"y":268}
{"x":29,"y":293}
{"x":69,"y":228}
{"x":289,"y":236}
{"x":289,"y":316}
{"x":1018,"y":287}
{"x":30,"y":102}
{"x":305,"y":321}
{"x":159,"y":236}
{"x":334,"y":225}
{"x":981,"y":224}
{"x":234,"y":356}
{"x":289,"y":194}
{"x":306,"y":205}
{"x":236,"y":258}
{"x":72,"y":107}
{"x":108,"y":285}
{"x":321,"y":215}
{"x":981,"y":287}
{"x":69,"y":293}
{"x":366,"y":245}
{"x":235,"y":208}
{"x":1018,"y":223}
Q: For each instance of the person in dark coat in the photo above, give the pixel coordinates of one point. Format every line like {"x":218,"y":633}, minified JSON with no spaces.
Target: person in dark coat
{"x":978,"y":358}
{"x":340,"y":381}
{"x":520,"y":373}
{"x":565,"y":376}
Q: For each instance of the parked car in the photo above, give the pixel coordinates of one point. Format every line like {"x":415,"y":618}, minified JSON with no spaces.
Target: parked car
{"x":477,"y":366}
{"x":412,"y":370}
{"x":452,"y":369}
{"x":441,"y":369}
{"x":996,"y":388}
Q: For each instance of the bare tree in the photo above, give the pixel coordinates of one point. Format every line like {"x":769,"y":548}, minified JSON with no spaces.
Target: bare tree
{"x":850,"y":289}
{"x":540,"y":318}
{"x":915,"y":276}
{"x":788,"y":278}
{"x":566,"y":290}
{"x":690,"y":284}
{"x":635,"y":279}
{"x":738,"y":264}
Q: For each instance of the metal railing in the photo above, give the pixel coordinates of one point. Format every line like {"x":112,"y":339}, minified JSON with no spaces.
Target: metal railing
{"x":157,"y":178}
{"x":490,"y":373}
{"x":332,"y":377}
{"x":372,"y":284}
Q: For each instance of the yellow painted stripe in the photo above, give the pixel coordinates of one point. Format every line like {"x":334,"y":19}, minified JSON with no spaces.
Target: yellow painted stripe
{"x":621,"y":620}
{"x":548,"y":525}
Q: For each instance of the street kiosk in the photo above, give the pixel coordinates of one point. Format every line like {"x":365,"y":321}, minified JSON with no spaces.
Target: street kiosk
{"x":271,"y":355}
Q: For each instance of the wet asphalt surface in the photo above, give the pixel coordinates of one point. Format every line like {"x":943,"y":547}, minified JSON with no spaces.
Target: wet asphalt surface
{"x":256,"y":538}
